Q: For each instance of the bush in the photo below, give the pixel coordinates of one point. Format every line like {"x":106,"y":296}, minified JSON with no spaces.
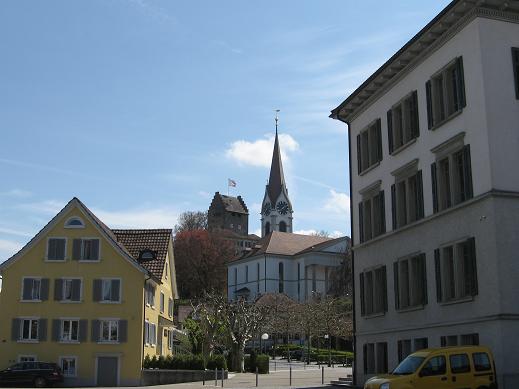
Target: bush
{"x":262,"y":363}
{"x":247,"y":363}
{"x":177,"y":362}
{"x":217,"y":362}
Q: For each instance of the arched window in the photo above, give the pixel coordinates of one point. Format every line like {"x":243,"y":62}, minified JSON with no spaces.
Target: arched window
{"x":282,"y":226}
{"x":267,"y":228}
{"x":74,"y":222}
{"x":281,"y":278}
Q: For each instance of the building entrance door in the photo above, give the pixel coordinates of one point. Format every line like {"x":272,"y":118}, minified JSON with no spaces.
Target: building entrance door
{"x":107,"y":371}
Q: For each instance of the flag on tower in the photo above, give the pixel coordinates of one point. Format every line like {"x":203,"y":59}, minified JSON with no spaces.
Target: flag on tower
{"x":231,"y":183}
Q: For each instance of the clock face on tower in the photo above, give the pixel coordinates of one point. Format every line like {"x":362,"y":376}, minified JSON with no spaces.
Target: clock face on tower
{"x":282,"y":207}
{"x":266,"y":209}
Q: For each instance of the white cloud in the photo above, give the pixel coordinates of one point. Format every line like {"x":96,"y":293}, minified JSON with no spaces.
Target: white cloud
{"x":161,"y":217}
{"x":338,"y":202}
{"x":259,"y":152}
{"x":8,"y":248}
{"x":204,"y":194}
{"x":257,"y":232}
{"x":306,"y":232}
{"x":333,"y":234}
{"x":10,"y":231}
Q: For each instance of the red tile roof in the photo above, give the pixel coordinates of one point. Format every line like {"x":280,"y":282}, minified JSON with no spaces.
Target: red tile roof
{"x":156,"y":240}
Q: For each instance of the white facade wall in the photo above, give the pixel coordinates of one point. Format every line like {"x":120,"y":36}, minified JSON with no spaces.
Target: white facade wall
{"x":490,"y":121}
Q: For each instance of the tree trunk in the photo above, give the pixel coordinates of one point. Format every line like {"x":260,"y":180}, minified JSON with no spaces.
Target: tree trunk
{"x":238,"y":357}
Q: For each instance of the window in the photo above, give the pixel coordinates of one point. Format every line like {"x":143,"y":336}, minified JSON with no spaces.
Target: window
{"x":402,"y":122}
{"x":408,"y":346}
{"x":445,"y":93}
{"x":282,"y":226}
{"x":85,"y":249}
{"x":68,"y":366}
{"x":369,"y":147}
{"x":74,"y":222}
{"x":463,"y":340}
{"x":150,"y":295}
{"x":170,"y":307}
{"x":267,"y":228}
{"x":372,"y":218}
{"x":435,"y":366}
{"x":109,"y":331}
{"x":459,"y":363}
{"x":373,"y":291}
{"x":235,"y":276}
{"x":515,"y":61}
{"x":258,"y":278}
{"x":147,"y":255}
{"x":67,"y":290}
{"x":375,"y":358}
{"x":171,"y":339}
{"x":107,"y":290}
{"x":69,"y":331}
{"x":456,"y":271}
{"x":246,"y":273}
{"x":32,"y":289}
{"x":410,"y":276}
{"x":150,"y":333}
{"x":27,"y":358}
{"x":281,"y":286}
{"x":481,"y":361}
{"x":452,"y":179}
{"x":407,"y":199}
{"x":299,"y":281}
{"x":56,"y":249}
{"x":162,"y":303}
{"x":29,"y":329}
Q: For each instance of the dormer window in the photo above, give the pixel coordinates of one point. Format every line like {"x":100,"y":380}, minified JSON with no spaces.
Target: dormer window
{"x":147,"y":255}
{"x":74,"y":222}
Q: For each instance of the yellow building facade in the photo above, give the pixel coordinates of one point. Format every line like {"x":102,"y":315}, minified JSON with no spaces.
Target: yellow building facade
{"x":91,"y":299}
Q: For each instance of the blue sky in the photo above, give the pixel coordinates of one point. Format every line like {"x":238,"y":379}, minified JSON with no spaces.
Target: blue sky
{"x":144,"y":108}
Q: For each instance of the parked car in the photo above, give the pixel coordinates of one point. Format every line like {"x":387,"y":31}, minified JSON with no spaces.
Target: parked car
{"x":441,"y":368}
{"x":39,"y":374}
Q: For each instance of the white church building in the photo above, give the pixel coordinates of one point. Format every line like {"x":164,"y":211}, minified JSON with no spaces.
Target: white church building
{"x":299,"y":266}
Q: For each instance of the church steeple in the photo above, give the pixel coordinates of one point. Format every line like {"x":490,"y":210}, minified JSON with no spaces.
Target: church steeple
{"x":276,"y":208}
{"x":277,"y":178}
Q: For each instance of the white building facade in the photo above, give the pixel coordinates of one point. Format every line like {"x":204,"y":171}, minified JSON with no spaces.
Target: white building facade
{"x":299,"y":266}
{"x":434,"y":139}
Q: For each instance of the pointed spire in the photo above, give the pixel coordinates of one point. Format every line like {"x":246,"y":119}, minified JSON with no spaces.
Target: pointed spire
{"x":277,"y":178}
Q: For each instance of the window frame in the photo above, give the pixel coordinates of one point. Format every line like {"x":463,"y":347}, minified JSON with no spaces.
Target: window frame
{"x":110,"y":322}
{"x":417,"y":298}
{"x":373,"y":295}
{"x":162,"y":302}
{"x":408,"y":106}
{"x":456,"y":272}
{"x":30,"y":339}
{"x":33,"y":357}
{"x":372,"y":203}
{"x":369,"y":144}
{"x":68,"y":357}
{"x":109,"y":280}
{"x":46,"y":259}
{"x":32,"y":300}
{"x":439,"y":102}
{"x":402,"y":204}
{"x":82,"y":256}
{"x":70,"y":339}
{"x":74,"y":218}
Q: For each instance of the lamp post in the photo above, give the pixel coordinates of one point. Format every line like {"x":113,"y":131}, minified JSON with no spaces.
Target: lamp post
{"x":264,"y":336}
{"x":327,"y":337}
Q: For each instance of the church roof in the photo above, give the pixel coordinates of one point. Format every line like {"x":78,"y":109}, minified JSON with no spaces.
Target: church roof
{"x":284,"y":243}
{"x":277,"y":178}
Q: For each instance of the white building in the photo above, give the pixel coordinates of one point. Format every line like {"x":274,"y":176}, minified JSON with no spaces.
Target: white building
{"x":297,"y":265}
{"x":434,"y":138}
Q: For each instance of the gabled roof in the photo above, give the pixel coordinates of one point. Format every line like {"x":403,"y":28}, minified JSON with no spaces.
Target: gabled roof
{"x":453,"y":17}
{"x":155,"y":240}
{"x":230,"y":203}
{"x":284,"y":243}
{"x":103,"y":229}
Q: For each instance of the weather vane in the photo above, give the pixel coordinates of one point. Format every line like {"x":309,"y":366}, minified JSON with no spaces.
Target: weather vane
{"x":277,"y":119}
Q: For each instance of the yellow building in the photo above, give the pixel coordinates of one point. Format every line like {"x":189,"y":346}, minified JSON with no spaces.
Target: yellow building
{"x":92,"y":299}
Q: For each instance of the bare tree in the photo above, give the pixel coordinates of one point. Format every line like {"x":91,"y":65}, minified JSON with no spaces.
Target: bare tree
{"x":191,"y":221}
{"x":341,"y":278}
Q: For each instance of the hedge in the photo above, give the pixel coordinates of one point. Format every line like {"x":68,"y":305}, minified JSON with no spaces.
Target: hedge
{"x":184,"y":362}
{"x":261,"y":361}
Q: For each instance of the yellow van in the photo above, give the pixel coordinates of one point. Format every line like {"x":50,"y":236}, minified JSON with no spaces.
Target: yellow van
{"x":441,"y":368}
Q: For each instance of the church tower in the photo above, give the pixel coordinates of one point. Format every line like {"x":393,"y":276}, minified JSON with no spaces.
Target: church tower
{"x":276,"y":210}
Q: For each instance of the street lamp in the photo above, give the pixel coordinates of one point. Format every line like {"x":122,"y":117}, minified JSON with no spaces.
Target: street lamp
{"x":264,"y":336}
{"x":327,"y":337}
